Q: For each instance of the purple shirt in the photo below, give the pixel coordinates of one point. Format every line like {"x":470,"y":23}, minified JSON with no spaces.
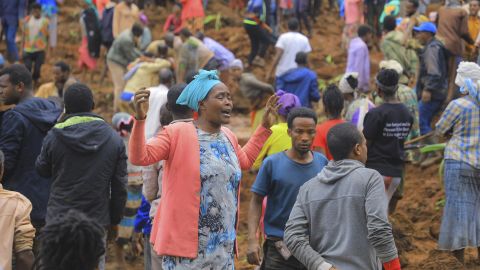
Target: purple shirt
{"x":359,"y":61}
{"x":222,"y":54}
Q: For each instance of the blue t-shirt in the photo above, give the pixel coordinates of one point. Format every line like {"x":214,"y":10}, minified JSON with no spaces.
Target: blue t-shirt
{"x":280,"y":178}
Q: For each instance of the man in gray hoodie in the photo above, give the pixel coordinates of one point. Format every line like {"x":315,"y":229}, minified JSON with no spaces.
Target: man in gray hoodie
{"x":340,"y":217}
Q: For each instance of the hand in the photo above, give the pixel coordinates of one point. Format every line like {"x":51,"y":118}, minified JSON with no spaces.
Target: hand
{"x":253,"y":253}
{"x":140,"y":102}
{"x":426,"y":96}
{"x":271,"y":109}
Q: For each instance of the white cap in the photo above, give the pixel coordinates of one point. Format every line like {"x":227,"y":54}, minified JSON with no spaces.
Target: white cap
{"x":237,"y":63}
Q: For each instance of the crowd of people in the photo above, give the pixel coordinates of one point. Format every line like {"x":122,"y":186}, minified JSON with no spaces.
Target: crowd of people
{"x":329,"y":164}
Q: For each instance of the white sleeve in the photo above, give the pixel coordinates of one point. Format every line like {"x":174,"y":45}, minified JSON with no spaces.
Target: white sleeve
{"x":308,"y":48}
{"x":280,"y":42}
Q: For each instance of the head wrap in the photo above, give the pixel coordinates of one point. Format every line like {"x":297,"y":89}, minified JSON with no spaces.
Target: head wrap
{"x":237,"y":63}
{"x":198,"y":89}
{"x":143,"y":18}
{"x":288,"y":101}
{"x":391,"y":64}
{"x":344,"y":86}
{"x":468,"y":79}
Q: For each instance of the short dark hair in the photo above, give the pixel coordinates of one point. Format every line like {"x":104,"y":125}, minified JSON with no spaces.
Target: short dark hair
{"x":190,"y":76}
{"x":333,"y":102}
{"x":165,"y":75}
{"x":64,"y":67}
{"x":388,"y":79}
{"x":137,"y":30}
{"x":36,"y":6}
{"x":200,"y":35}
{"x":71,"y":241}
{"x":301,"y":58}
{"x":352,"y":81}
{"x":18,"y":73}
{"x":414,"y":3}
{"x":301,"y":112}
{"x":162,"y":49}
{"x":166,"y":116}
{"x":185,"y":32}
{"x":293,"y":24}
{"x":364,"y":30}
{"x":172,"y":97}
{"x":389,"y":23}
{"x":341,"y":139}
{"x":78,"y":98}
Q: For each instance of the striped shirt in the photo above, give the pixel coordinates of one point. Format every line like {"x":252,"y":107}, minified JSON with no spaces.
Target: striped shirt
{"x":462,"y":117}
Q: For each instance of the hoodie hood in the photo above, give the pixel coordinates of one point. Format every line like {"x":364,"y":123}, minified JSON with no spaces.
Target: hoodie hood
{"x":42,"y":113}
{"x":84,"y":133}
{"x":295,"y":75}
{"x":336,"y":170}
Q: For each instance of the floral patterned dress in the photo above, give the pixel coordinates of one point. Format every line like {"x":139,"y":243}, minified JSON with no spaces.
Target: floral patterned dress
{"x":220,"y":176}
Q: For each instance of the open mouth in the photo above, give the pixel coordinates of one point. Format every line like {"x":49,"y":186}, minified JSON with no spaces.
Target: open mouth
{"x":226,"y":112}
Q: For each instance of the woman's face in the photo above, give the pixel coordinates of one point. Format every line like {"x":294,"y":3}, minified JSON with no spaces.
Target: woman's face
{"x":218,"y":105}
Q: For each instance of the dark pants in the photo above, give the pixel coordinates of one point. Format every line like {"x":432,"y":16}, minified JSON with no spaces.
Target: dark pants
{"x":259,"y":41}
{"x":272,"y":260}
{"x":10,"y":26}
{"x":302,"y":17}
{"x":426,"y":113}
{"x":374,"y":10}
{"x":34,"y":61}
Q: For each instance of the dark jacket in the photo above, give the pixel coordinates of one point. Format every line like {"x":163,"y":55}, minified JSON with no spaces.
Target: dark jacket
{"x":22,"y":132}
{"x":92,"y":26}
{"x":433,"y":70}
{"x":12,"y":9}
{"x":302,"y":82}
{"x":88,"y":164}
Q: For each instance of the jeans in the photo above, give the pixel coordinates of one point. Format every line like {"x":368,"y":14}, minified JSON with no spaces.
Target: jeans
{"x":272,"y":260}
{"x":259,"y":41}
{"x":10,"y":26}
{"x":34,"y":61}
{"x":426,"y":113}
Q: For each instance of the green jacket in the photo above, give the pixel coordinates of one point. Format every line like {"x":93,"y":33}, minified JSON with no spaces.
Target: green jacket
{"x":123,"y":50}
{"x":393,"y":49}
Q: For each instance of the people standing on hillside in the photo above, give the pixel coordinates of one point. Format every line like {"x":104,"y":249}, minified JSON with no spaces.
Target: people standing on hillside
{"x":342,"y":210}
{"x":280,"y":177}
{"x":279,"y":140}
{"x":386,"y":128}
{"x":21,"y":135}
{"x":17,"y":230}
{"x":11,"y":13}
{"x":332,"y":100}
{"x":125,"y":15}
{"x":123,"y":51}
{"x":50,"y":10}
{"x":452,"y":31}
{"x":471,"y":51}
{"x":286,"y":49}
{"x":301,"y":81}
{"x":213,"y":172}
{"x":192,"y":15}
{"x":259,"y":33}
{"x":353,"y":19}
{"x":174,"y":22}
{"x":301,"y":12}
{"x":373,"y":12}
{"x":89,"y":50}
{"x":35,"y":42}
{"x":461,"y":119}
{"x":87,"y":162}
{"x":358,"y":59}
{"x":62,"y":79}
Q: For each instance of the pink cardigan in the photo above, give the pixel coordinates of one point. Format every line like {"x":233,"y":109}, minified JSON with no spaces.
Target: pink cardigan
{"x":175,"y":226}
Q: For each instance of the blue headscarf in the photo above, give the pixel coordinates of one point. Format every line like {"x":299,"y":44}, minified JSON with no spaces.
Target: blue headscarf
{"x":198,"y":89}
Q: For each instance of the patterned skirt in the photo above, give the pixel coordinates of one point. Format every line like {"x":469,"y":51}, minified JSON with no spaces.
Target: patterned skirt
{"x":461,"y":215}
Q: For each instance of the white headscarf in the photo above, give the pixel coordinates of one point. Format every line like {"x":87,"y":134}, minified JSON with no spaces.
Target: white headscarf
{"x":344,"y":86}
{"x":468,"y":79}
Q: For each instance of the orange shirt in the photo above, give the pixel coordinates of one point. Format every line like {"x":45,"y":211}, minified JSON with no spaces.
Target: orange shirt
{"x":473,"y":29}
{"x":320,"y":140}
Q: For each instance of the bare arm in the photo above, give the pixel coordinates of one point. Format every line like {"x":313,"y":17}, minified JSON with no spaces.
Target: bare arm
{"x":254,"y":214}
{"x":24,"y":260}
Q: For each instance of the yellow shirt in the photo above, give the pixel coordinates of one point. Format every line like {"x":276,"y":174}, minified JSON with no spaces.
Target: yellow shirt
{"x":277,"y":142}
{"x":16,"y":230}
{"x":47,"y":90}
{"x":146,"y":75}
{"x":473,"y":29}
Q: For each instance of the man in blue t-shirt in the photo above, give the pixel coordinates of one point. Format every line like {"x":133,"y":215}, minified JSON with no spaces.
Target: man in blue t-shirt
{"x":280,"y":178}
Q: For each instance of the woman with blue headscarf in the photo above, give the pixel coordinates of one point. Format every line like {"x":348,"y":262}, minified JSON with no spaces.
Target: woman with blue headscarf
{"x":195,"y":224}
{"x":461,"y":216}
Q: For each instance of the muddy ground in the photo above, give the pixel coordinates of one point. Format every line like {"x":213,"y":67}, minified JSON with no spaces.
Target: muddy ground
{"x":417,"y":220}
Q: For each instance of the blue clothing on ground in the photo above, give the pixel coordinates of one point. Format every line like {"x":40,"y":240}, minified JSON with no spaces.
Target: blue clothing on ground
{"x":280,"y":179}
{"x":301,"y":82}
{"x":143,"y":223}
{"x":23,"y":130}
